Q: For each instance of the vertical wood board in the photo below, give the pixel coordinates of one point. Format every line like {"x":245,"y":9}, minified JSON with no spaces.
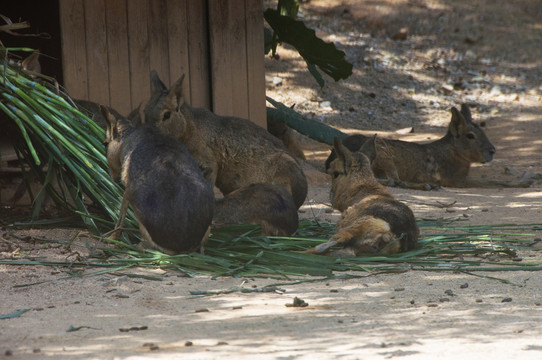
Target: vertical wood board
{"x":138,"y":45}
{"x":221,"y":68}
{"x":237,"y":52}
{"x":158,"y":38}
{"x":177,"y":33}
{"x":96,"y":45}
{"x":255,"y":63}
{"x":74,"y":53}
{"x":198,"y":50}
{"x":118,"y":54}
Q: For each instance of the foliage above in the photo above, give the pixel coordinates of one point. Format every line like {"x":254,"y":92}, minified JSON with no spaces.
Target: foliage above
{"x":315,"y":51}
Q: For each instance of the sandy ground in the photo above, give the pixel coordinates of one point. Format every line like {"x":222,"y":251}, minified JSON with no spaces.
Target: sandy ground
{"x":487,"y":50}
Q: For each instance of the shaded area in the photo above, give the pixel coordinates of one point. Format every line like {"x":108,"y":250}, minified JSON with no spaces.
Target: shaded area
{"x":451,"y":52}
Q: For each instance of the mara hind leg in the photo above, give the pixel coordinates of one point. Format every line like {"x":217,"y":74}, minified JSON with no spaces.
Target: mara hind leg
{"x":116,"y":232}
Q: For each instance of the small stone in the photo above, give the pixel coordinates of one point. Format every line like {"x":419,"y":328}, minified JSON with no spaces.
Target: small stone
{"x":449,"y":292}
{"x":444,"y":299}
{"x":470,"y":39}
{"x":221,"y":343}
{"x":237,"y":308}
{"x":495,"y":90}
{"x":464,"y":286}
{"x":340,"y":321}
{"x":298,"y":303}
{"x":400,"y":35}
{"x":508,"y":299}
{"x":277,"y":81}
{"x":188,"y":343}
{"x":325,"y":104}
{"x":432,"y":305}
{"x":8,"y":353}
{"x":448,"y":88}
{"x":333,"y":291}
{"x":412,"y":302}
{"x":36,"y":351}
{"x":470,"y":54}
{"x":399,"y":289}
{"x":202,"y":310}
{"x":154,"y":347}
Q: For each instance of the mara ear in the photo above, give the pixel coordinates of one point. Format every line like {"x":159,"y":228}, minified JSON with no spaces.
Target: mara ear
{"x":157,"y":86}
{"x":343,"y":154}
{"x":457,"y":124}
{"x":32,"y":63}
{"x":111,"y":124}
{"x":176,"y":92}
{"x":137,"y":116}
{"x":465,"y":111}
{"x":369,"y":148}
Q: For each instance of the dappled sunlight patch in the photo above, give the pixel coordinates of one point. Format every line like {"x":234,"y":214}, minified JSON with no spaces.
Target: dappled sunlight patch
{"x":535,"y":194}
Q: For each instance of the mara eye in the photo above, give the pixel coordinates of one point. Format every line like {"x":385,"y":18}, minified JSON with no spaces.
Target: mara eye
{"x":166,"y":116}
{"x":470,"y":136}
{"x":336,"y":174}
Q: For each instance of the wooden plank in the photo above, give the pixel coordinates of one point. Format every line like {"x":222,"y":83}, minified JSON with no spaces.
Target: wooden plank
{"x":177,"y":20}
{"x":97,"y":62}
{"x":74,"y":53}
{"x":255,"y":62}
{"x":158,"y":41}
{"x":138,"y":39}
{"x":237,"y":54}
{"x":221,"y":77}
{"x":119,"y":60}
{"x":198,"y":50}
{"x":228,"y":57}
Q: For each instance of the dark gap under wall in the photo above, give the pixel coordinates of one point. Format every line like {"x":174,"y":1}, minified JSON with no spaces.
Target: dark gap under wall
{"x":43,"y":17}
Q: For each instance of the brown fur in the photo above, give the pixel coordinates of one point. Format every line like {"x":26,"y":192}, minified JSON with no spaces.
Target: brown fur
{"x":443,"y":162}
{"x":269,"y":205}
{"x":372,"y":220}
{"x":287,"y":135}
{"x":232,"y":153}
{"x":168,"y":193}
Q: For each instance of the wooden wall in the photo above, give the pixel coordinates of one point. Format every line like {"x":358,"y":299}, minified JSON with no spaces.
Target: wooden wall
{"x":109,"y":48}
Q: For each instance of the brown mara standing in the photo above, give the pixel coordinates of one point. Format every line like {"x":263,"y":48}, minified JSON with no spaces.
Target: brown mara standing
{"x":231,"y":152}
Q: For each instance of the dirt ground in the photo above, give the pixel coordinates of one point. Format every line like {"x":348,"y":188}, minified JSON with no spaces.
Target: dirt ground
{"x":413,"y":60}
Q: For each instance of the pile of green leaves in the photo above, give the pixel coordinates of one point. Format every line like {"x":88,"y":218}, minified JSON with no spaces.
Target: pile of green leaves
{"x":242,"y":252}
{"x":59,"y":145}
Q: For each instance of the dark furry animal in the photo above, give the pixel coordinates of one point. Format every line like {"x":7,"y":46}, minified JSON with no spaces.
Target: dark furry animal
{"x":170,"y":197}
